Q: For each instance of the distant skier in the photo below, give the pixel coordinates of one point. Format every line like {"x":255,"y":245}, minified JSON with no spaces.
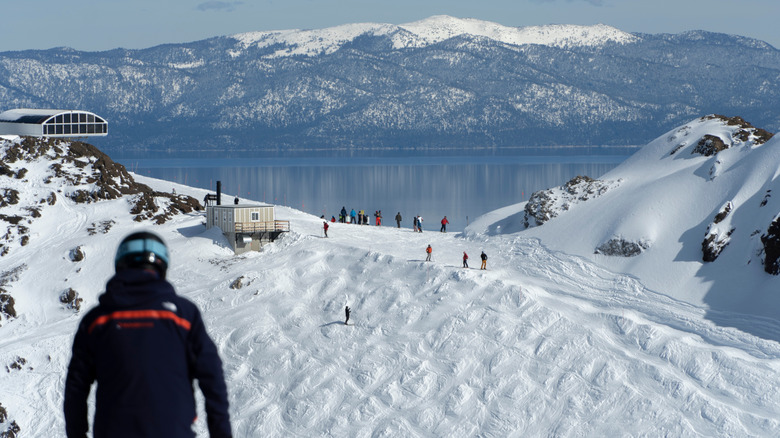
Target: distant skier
{"x":235,"y":201}
{"x":325,"y":227}
{"x":343,"y":216}
{"x":428,"y":250}
{"x":444,"y":223}
{"x":352,"y":217}
{"x":419,"y":224}
{"x":465,"y":260}
{"x":415,"y":224}
{"x":346,"y":311}
{"x":484,"y":260}
{"x":378,"y":216}
{"x":398,"y":219}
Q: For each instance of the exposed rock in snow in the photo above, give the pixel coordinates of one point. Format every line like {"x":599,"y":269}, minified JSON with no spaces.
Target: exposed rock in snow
{"x":710,"y":145}
{"x":7,"y":302}
{"x":547,"y":204}
{"x":238,"y":283}
{"x":76,"y":254}
{"x":771,"y":242}
{"x":622,"y":248}
{"x":717,"y":237}
{"x":31,"y":167}
{"x":70,"y":298}
{"x":7,"y":429}
{"x":6,"y":305}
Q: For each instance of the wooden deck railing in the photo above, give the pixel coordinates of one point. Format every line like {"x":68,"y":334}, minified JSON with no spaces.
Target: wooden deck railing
{"x":256,"y":227}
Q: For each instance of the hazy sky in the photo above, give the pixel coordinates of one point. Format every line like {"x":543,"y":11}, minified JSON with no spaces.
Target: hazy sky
{"x":133,"y":24}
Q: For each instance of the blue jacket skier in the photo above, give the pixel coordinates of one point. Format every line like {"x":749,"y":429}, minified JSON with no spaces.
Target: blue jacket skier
{"x":144,"y":345}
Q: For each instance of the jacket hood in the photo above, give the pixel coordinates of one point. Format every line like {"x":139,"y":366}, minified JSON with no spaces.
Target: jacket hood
{"x":132,"y":287}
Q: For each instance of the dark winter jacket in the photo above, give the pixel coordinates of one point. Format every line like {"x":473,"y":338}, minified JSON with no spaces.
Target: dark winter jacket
{"x":144,"y":345}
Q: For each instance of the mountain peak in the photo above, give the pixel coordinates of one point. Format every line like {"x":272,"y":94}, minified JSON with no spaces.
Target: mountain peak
{"x":441,"y":27}
{"x":431,"y":31}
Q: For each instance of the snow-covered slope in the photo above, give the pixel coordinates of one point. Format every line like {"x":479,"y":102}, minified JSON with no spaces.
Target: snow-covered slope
{"x":431,"y":31}
{"x":542,"y":343}
{"x":676,"y":201}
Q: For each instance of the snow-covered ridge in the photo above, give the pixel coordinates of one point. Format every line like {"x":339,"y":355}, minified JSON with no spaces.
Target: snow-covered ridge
{"x":441,"y":27}
{"x":692,"y":204}
{"x":431,"y":31}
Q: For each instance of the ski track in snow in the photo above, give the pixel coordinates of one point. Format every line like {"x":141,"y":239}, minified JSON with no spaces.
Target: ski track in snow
{"x":542,"y":343}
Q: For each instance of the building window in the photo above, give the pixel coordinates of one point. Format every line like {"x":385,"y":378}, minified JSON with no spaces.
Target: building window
{"x":255,"y":216}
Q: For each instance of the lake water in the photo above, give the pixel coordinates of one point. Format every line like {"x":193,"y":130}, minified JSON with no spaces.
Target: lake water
{"x":458,"y":185}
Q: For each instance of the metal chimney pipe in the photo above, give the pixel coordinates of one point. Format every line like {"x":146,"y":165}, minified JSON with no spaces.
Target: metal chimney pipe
{"x":219,"y":192}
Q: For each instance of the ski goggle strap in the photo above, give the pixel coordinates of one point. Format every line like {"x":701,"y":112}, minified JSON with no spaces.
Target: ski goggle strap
{"x":140,"y":246}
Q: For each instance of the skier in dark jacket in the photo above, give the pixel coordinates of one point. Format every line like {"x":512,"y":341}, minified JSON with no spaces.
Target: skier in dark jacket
{"x":483,"y":256}
{"x":398,"y":219}
{"x":144,"y":345}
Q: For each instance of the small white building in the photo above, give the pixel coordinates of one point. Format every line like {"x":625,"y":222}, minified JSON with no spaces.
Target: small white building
{"x":52,"y":123}
{"x":247,"y":226}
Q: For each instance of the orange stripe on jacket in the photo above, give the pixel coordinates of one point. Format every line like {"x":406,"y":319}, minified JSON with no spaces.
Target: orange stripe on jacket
{"x":140,"y":314}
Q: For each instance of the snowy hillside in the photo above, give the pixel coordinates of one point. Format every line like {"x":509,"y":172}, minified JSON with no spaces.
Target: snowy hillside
{"x":706,"y":190}
{"x":543,"y":343}
{"x":429,"y":31}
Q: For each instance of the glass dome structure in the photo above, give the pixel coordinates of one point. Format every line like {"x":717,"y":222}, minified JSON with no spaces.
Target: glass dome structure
{"x":52,"y":123}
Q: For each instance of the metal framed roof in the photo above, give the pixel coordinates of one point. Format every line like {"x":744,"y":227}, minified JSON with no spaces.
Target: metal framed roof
{"x":37,"y":116}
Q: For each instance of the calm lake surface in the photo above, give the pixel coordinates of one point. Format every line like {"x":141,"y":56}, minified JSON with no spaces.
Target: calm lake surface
{"x":460,"y":185}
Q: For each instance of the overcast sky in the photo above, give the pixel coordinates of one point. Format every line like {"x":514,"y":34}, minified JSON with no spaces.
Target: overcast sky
{"x":106,"y":24}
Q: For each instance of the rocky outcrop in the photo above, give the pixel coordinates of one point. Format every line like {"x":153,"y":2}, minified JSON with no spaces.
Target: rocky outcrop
{"x":622,"y":248}
{"x":710,"y":145}
{"x":70,"y":298}
{"x":83,"y":174}
{"x":8,"y":429}
{"x":717,"y":237}
{"x":545,"y":205}
{"x":771,"y":243}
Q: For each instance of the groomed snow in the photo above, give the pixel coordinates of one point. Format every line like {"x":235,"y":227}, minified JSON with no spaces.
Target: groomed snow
{"x":543,"y":343}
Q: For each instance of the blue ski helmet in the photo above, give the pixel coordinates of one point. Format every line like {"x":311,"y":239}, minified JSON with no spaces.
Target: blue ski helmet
{"x":142,"y":250}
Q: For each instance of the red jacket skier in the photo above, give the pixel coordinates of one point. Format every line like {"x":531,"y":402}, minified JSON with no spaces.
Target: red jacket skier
{"x":444,"y":223}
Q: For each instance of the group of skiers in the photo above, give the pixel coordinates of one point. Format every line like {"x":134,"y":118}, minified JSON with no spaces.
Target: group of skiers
{"x":361,"y":218}
{"x":483,"y":256}
{"x":418,"y":221}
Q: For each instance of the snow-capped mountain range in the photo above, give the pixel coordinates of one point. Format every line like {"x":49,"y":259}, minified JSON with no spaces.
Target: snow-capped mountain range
{"x":597,"y":316}
{"x":442,"y":82}
{"x":426,"y":32}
